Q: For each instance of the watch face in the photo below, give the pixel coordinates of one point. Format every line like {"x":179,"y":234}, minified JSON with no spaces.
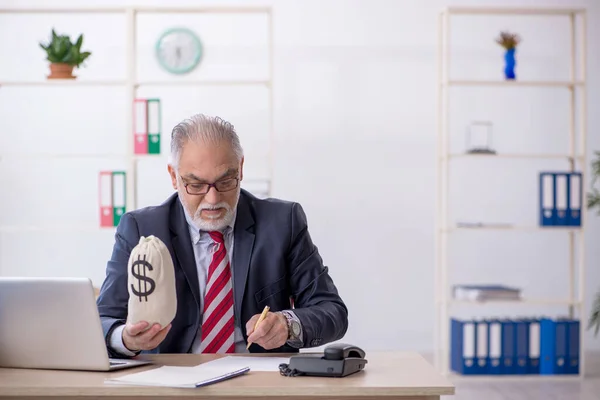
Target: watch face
{"x":295,"y":329}
{"x":178,"y":50}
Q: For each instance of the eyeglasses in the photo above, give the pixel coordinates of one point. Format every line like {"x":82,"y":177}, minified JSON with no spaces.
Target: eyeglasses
{"x":203,"y":188}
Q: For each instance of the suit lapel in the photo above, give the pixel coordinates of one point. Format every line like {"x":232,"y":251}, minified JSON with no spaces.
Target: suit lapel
{"x":182,"y":245}
{"x":242,"y":250}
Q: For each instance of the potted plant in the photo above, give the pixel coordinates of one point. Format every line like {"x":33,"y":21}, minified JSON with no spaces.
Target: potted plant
{"x":509,"y":41}
{"x":64,"y":55}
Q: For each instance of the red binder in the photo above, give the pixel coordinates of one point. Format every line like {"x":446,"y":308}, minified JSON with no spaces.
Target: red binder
{"x":140,"y":126}
{"x":105,"y":198}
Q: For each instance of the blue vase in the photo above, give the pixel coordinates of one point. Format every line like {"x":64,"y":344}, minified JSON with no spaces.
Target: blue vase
{"x":509,"y":68}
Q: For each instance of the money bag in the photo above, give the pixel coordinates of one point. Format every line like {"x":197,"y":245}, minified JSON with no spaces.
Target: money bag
{"x":151,"y":283}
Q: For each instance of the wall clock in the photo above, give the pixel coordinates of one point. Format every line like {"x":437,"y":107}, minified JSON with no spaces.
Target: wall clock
{"x":178,"y":50}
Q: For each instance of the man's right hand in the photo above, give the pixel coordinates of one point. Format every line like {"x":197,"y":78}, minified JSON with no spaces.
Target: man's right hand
{"x":136,"y":337}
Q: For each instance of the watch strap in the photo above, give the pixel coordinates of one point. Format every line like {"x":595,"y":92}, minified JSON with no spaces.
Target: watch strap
{"x":292,"y":320}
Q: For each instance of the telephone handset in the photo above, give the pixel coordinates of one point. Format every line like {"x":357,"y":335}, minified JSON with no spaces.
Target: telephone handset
{"x":337,"y":360}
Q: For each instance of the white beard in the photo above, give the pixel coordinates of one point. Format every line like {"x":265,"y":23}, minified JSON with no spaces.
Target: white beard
{"x":212,"y":224}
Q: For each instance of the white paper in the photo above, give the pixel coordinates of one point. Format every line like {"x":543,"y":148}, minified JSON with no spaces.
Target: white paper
{"x":255,"y":363}
{"x":177,"y":376}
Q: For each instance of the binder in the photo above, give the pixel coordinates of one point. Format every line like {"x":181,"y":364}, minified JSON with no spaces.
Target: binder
{"x":574,"y":199}
{"x":547,"y":199}
{"x":508,"y":347}
{"x":105,"y":198}
{"x":573,"y":348}
{"x":553,"y":354}
{"x":462,"y":348}
{"x":481,"y":346}
{"x":495,"y":347}
{"x":547,"y":346}
{"x":534,"y":346}
{"x":522,"y":346}
{"x":562,"y":197}
{"x":140,"y":126}
{"x":154,"y":125}
{"x":562,"y":345}
{"x":119,"y":200}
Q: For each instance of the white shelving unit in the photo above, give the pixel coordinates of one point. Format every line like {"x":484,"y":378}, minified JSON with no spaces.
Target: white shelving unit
{"x":132,"y":84}
{"x":444,"y":302}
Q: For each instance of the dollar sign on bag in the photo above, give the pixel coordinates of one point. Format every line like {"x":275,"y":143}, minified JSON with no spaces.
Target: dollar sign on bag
{"x":140,"y":274}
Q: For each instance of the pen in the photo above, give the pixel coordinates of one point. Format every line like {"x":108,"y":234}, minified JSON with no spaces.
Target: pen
{"x":260,"y":319}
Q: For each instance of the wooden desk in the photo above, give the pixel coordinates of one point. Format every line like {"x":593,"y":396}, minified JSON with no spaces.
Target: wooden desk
{"x":401,"y":376}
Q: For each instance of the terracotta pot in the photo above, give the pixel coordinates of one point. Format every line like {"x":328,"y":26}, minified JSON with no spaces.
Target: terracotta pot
{"x":61,"y":71}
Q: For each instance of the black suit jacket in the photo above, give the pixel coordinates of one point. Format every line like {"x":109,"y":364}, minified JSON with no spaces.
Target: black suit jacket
{"x":274,"y":260}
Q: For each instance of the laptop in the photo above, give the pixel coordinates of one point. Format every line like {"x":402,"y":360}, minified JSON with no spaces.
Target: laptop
{"x":53,"y":323}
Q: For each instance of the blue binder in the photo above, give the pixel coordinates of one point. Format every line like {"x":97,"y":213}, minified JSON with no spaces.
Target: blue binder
{"x":547,"y":346}
{"x":462,"y":347}
{"x":553,"y":354}
{"x":495,"y":347}
{"x":572,"y":366}
{"x":515,"y":347}
{"x":522,"y":346}
{"x":508,"y":348}
{"x":547,"y":199}
{"x":482,"y":353}
{"x":561,"y":200}
{"x":533,"y":364}
{"x":562,"y":345}
{"x":575,"y":198}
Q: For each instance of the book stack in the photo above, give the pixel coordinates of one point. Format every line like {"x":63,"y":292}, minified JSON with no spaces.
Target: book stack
{"x":486,"y":292}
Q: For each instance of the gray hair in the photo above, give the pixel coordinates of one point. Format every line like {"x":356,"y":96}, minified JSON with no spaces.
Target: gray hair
{"x":206,"y":128}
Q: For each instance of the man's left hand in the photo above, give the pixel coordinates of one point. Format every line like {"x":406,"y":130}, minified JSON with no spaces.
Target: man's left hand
{"x":271,"y":333}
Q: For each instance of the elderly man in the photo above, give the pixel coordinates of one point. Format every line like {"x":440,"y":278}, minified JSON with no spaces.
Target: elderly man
{"x":261,"y":248}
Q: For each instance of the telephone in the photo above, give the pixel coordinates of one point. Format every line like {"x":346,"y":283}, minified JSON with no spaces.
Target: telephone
{"x":337,"y":360}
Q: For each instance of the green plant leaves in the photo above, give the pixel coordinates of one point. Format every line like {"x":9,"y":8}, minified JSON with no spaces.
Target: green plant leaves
{"x":593,"y":197}
{"x":79,"y":42}
{"x":594,"y":321}
{"x":596,"y":167}
{"x":60,"y":49}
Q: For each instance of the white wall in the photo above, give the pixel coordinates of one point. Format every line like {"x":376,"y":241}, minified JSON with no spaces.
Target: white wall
{"x":355,"y":120}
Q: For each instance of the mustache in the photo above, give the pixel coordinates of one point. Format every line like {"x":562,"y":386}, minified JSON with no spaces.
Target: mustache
{"x":213,"y":206}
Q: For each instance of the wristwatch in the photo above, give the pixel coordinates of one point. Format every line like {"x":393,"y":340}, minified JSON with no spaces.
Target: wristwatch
{"x":294,"y":328}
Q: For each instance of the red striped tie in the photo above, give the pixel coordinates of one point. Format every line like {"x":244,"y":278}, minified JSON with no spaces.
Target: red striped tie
{"x":217,"y":318}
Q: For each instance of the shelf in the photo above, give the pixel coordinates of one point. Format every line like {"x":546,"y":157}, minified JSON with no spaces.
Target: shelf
{"x":522,"y":228}
{"x":567,"y":84}
{"x":248,"y":82}
{"x":56,"y":228}
{"x":65,"y":82}
{"x":59,"y":156}
{"x":515,"y":155}
{"x":59,"y":10}
{"x":513,"y":11}
{"x":522,"y":302}
{"x":102,"y":156}
{"x":62,"y":156}
{"x":574,"y":152}
{"x":83,"y":82}
{"x":455,"y":377}
{"x":147,"y":9}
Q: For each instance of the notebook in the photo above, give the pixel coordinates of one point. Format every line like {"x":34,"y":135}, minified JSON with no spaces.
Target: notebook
{"x":180,"y":377}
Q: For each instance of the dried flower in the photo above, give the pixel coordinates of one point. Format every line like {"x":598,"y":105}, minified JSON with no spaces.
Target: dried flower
{"x":508,"y":40}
